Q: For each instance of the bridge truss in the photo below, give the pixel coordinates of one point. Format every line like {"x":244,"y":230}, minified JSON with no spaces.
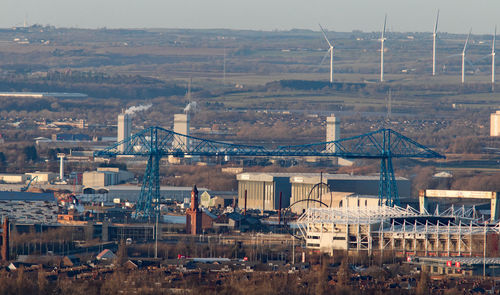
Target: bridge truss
{"x":156,"y":142}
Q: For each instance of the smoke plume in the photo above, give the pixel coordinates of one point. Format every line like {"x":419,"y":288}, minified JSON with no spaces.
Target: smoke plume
{"x":134,"y":109}
{"x":192,"y":107}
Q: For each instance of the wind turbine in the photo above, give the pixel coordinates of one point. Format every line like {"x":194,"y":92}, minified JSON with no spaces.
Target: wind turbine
{"x":330,"y":50}
{"x":493,"y":61}
{"x":463,"y":57}
{"x":434,"y":35}
{"x":382,"y":39}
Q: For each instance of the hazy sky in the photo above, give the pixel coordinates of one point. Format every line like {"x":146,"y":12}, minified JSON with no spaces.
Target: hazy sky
{"x":457,"y":16}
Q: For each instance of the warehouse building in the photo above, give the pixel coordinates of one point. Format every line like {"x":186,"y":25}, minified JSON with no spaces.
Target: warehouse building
{"x":131,"y":193}
{"x":105,"y":176}
{"x":263,"y":189}
{"x":43,"y":177}
{"x":13,"y":178}
{"x":495,"y":124}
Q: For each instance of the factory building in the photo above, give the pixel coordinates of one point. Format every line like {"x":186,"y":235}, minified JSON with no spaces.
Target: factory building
{"x":42,"y":177}
{"x":217,"y":199}
{"x":105,"y":176}
{"x":71,"y":137}
{"x":43,"y":94}
{"x":132,"y":192}
{"x":13,"y":178}
{"x":124,"y":130}
{"x":181,"y":126}
{"x":495,"y":124}
{"x":332,"y":131}
{"x":332,"y":134}
{"x":263,"y":189}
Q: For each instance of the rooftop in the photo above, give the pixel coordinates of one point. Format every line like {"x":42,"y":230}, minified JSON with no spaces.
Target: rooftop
{"x":26,"y":196}
{"x":306,"y":177}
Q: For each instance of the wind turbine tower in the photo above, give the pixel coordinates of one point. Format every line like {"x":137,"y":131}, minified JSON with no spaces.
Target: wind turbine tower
{"x":382,"y":39}
{"x":463,"y":57}
{"x":434,"y":35}
{"x":330,"y":50}
{"x":493,"y":60}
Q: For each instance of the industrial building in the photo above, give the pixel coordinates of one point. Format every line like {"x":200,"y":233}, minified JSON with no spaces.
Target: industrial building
{"x":124,"y":130}
{"x":38,"y":177}
{"x":43,"y":94}
{"x":132,"y":192}
{"x":495,"y":124}
{"x":181,"y":126}
{"x":332,"y":130}
{"x":263,"y":189}
{"x":42,"y":177}
{"x":105,"y":176}
{"x":13,"y":178}
{"x":217,"y":199}
{"x":332,"y":134}
{"x":71,"y":137}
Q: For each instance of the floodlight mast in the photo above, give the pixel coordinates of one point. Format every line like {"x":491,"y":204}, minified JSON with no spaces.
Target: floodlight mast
{"x":434,"y":35}
{"x":382,"y":39}
{"x":463,"y":56}
{"x":329,"y":50}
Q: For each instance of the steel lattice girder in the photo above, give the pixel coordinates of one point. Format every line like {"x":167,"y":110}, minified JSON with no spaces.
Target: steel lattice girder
{"x":383,"y":144}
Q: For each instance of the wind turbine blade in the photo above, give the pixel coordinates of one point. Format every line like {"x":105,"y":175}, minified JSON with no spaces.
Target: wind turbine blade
{"x":467,"y":41}
{"x":453,"y":55}
{"x":483,"y":57}
{"x":324,"y":57}
{"x":324,"y":35}
{"x":494,"y":40}
{"x":437,"y":21}
{"x":385,"y":22}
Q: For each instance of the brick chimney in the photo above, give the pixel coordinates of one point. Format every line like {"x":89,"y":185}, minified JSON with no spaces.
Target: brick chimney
{"x":5,"y":240}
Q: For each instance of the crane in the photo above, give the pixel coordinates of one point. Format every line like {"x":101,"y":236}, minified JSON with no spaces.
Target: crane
{"x":27,"y":187}
{"x":157,"y":142}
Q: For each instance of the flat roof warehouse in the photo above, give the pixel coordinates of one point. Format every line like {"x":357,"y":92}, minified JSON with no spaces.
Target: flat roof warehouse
{"x":44,"y":94}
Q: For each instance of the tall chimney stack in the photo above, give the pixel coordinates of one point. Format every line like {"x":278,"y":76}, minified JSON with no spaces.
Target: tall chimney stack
{"x":5,"y":240}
